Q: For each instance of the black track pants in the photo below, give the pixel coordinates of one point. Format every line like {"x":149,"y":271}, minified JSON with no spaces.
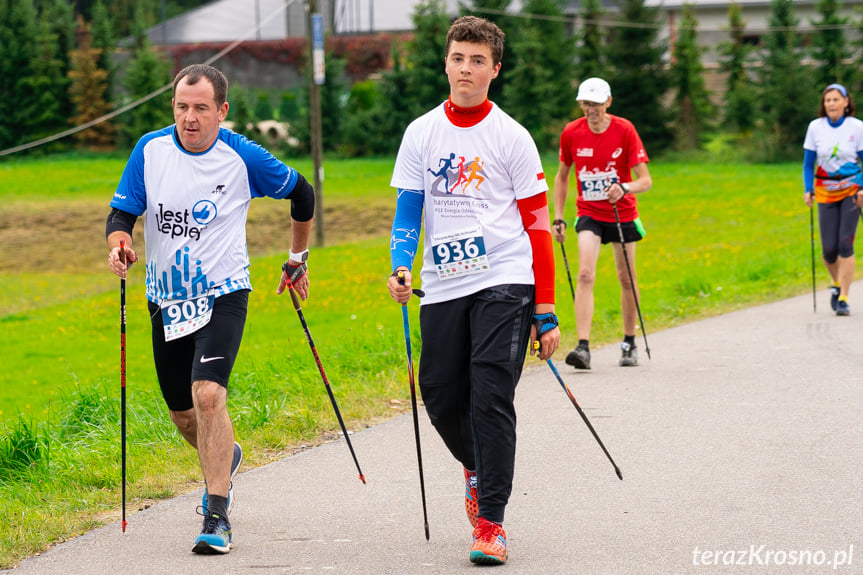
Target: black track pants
{"x":473,"y":351}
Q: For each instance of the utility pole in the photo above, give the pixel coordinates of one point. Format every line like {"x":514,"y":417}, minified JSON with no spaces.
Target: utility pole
{"x":315,"y":29}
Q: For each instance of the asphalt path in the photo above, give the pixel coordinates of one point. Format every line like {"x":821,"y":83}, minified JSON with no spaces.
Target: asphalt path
{"x":740,"y":444}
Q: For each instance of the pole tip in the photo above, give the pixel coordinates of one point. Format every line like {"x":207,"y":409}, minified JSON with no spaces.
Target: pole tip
{"x":619,"y":474}
{"x":427,"y":531}
{"x":123,"y":525}
{"x":363,"y":478}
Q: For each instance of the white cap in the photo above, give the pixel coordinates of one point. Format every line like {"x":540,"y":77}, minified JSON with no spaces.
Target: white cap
{"x":594,"y":90}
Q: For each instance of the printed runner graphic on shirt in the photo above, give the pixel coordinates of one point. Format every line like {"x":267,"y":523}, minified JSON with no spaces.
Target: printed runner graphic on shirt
{"x":456,"y":175}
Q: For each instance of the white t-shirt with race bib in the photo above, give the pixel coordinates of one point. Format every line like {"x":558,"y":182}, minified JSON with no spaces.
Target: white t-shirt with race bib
{"x":196,"y":207}
{"x":472,"y":178}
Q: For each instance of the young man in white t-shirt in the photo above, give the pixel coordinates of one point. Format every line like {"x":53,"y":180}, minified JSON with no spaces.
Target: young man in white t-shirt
{"x":194,"y":181}
{"x":487,"y":272}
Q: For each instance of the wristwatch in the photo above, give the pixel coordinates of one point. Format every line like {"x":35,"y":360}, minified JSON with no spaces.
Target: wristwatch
{"x":300,"y":257}
{"x":625,"y":187}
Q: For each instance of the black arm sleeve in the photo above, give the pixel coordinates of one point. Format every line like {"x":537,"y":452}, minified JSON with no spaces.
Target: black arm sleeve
{"x":120,"y":221}
{"x":302,"y":200}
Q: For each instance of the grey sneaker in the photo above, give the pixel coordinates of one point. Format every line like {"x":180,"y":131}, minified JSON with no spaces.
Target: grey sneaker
{"x":628,"y":354}
{"x":834,"y":297}
{"x":215,"y":536}
{"x":579,"y":358}
{"x":235,"y":466}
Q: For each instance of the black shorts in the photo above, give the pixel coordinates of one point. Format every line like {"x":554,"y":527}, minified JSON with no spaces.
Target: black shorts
{"x":207,"y":354}
{"x":632,"y":231}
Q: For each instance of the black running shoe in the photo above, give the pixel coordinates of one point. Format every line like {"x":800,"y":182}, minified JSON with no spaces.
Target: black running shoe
{"x":842,"y":308}
{"x":215,"y":537}
{"x":834,"y":297}
{"x":579,"y":358}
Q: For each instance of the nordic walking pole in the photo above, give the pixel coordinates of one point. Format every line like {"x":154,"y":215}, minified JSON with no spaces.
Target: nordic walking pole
{"x":401,"y":278}
{"x":631,"y":281}
{"x":812,"y":243}
{"x":123,"y":380}
{"x":296,"y":300}
{"x":566,"y":265}
{"x":581,"y":413}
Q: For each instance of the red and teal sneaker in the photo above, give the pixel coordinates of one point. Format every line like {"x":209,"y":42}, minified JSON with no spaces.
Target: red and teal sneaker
{"x":489,"y":543}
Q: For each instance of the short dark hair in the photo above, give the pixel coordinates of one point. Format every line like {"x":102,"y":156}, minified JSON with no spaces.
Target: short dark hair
{"x":849,"y":109}
{"x":195,"y":72}
{"x":477,"y":30}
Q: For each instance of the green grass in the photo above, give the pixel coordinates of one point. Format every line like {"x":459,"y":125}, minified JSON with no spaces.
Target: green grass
{"x":720,"y":237}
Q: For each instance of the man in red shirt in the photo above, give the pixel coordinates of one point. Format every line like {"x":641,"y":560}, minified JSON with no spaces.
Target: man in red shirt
{"x":604,"y":151}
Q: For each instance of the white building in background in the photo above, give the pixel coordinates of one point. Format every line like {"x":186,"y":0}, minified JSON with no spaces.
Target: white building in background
{"x":231,"y":20}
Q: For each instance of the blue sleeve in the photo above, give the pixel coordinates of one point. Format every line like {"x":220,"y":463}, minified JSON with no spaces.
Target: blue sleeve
{"x":406,"y":227}
{"x":268,"y":176}
{"x":809,"y":170}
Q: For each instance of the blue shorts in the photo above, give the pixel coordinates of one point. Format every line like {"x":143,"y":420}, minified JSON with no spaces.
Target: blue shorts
{"x":207,"y":354}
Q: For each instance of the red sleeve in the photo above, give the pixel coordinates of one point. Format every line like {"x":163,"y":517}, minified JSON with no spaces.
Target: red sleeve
{"x":534,"y":215}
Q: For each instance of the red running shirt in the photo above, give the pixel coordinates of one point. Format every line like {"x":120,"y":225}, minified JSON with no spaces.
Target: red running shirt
{"x":600,"y":160}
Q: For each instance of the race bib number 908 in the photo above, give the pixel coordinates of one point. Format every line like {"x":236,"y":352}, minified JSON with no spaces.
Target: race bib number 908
{"x":459,"y":253}
{"x":182,"y":317}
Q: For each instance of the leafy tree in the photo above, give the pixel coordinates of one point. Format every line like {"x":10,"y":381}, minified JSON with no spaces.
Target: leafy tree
{"x":637,"y":75}
{"x":788,"y":103}
{"x":333,"y":92}
{"x":740,"y":96}
{"x":241,"y":113}
{"x":694,"y":109}
{"x":17,"y":30}
{"x":87,"y":92}
{"x":378,"y":129}
{"x":829,"y":46}
{"x":263,"y":107}
{"x":590,"y":56}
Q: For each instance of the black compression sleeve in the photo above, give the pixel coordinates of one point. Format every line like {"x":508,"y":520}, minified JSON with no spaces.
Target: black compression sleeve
{"x":302,"y":200}
{"x":120,"y":221}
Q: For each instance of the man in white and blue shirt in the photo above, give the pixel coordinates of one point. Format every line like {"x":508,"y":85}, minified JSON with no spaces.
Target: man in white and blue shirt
{"x":194,"y":180}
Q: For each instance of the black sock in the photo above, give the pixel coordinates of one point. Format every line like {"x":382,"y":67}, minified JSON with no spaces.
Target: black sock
{"x":630,"y":339}
{"x":217,"y":504}
{"x":584,"y":344}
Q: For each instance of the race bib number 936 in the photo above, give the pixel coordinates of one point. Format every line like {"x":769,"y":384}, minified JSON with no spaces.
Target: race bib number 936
{"x":459,"y":253}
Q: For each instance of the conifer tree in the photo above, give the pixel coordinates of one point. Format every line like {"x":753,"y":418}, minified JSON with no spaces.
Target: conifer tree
{"x":692,"y":100}
{"x":87,"y":93}
{"x":637,"y":74}
{"x":740,"y":108}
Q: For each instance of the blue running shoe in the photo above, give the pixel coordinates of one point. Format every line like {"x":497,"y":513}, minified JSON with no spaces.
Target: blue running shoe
{"x":215,"y":537}
{"x":235,"y":466}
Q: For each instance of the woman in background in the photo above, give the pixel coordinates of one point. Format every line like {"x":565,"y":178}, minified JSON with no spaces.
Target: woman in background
{"x":832,"y":177}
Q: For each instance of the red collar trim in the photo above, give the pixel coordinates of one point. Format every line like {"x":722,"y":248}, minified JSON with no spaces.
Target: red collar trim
{"x":467,"y":117}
